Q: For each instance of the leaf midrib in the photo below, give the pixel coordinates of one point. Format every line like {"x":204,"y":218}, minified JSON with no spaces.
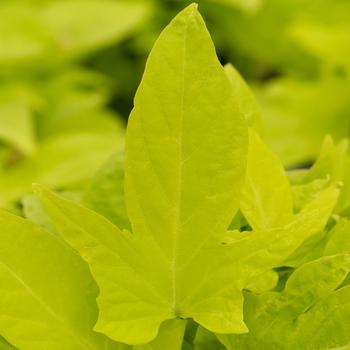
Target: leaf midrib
{"x":178,"y":202}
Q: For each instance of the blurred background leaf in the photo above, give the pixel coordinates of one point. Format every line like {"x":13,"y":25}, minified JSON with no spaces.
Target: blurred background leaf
{"x":69,"y":71}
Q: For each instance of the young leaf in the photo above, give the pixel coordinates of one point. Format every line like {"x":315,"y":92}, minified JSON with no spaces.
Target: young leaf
{"x":266,"y":198}
{"x":47,"y":294}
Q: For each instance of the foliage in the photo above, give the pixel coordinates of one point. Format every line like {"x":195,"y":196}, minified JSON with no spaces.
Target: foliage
{"x":194,"y":234}
{"x":55,"y":127}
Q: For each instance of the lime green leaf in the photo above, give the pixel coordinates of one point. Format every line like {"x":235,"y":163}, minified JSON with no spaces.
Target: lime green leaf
{"x":138,"y":284}
{"x":334,"y":162}
{"x":266,"y":198}
{"x":264,"y":282}
{"x":313,"y":244}
{"x":324,"y":326}
{"x":35,"y":212}
{"x":311,"y":313}
{"x":303,"y":194}
{"x":247,"y":5}
{"x":17,"y":126}
{"x":329,"y":42}
{"x":244,"y":97}
{"x":206,"y":340}
{"x":99,"y":22}
{"x":47,"y":295}
{"x":65,"y":161}
{"x":298,"y":114}
{"x":267,"y":248}
{"x":331,"y":161}
{"x":53,"y":29}
{"x":192,"y":164}
{"x":105,"y":194}
{"x":312,"y":248}
{"x":184,"y":170}
{"x":21,"y":34}
{"x":170,"y":337}
{"x":4,"y":345}
{"x":339,"y":240}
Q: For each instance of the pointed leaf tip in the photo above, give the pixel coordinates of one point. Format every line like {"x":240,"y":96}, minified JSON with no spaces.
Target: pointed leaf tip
{"x":189,"y":11}
{"x":193,"y":7}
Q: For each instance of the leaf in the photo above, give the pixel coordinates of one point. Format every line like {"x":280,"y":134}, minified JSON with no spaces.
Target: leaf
{"x":137,"y":279}
{"x":270,"y":248}
{"x":311,"y":313}
{"x":248,"y":5}
{"x":245,"y":99}
{"x":186,"y":188}
{"x":4,"y":345}
{"x":334,"y":162}
{"x":100,"y":23}
{"x":47,"y":294}
{"x":206,"y":340}
{"x":52,"y":30}
{"x":297,"y":114}
{"x":303,"y":194}
{"x":266,"y":198}
{"x":339,"y":240}
{"x":16,"y":126}
{"x":313,"y":245}
{"x":61,"y":162}
{"x":170,"y":337}
{"x":264,"y":282}
{"x":21,"y":34}
{"x":35,"y":212}
{"x":105,"y":194}
{"x":329,"y":42}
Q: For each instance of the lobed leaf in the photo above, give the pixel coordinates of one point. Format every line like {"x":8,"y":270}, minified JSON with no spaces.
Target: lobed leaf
{"x":186,"y":148}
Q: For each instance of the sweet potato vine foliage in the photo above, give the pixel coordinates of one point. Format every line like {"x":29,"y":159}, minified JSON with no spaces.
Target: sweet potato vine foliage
{"x":186,"y":165}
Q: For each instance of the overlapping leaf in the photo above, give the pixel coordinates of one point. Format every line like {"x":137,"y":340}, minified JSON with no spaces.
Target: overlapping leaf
{"x":47,"y":295}
{"x":105,"y":194}
{"x":311,"y":313}
{"x":267,"y":197}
